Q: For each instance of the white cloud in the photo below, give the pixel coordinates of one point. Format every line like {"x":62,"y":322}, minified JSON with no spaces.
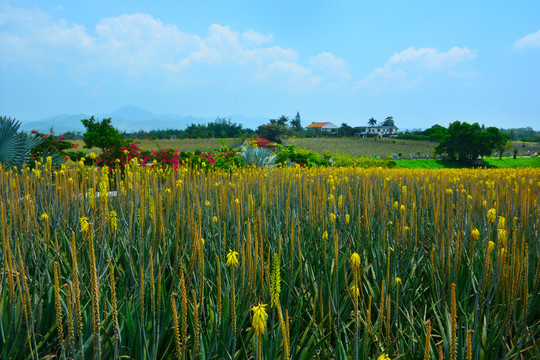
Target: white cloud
{"x":412,"y":63}
{"x":430,"y":58}
{"x":383,"y":77}
{"x":528,"y":41}
{"x":142,"y":45}
{"x":293,"y":76}
{"x":255,"y":38}
{"x":330,"y":64}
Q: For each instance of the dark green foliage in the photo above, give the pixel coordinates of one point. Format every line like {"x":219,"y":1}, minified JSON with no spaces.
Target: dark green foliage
{"x":50,"y":145}
{"x":389,"y":121}
{"x":346,"y":130}
{"x":281,"y":121}
{"x":296,"y":123}
{"x":303,"y":157}
{"x":434,"y":133}
{"x":522,"y":134}
{"x":102,"y":134}
{"x":466,"y":142}
{"x":372,"y":122}
{"x":274,"y":131}
{"x":220,"y":128}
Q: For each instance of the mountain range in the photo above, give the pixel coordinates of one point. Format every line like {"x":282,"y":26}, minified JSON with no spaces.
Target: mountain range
{"x":132,"y":119}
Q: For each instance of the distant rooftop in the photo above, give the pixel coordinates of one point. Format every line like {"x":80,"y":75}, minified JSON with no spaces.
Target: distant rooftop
{"x":317,"y":125}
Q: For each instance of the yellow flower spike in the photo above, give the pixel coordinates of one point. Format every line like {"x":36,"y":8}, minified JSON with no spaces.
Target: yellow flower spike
{"x":491,"y":245}
{"x":502,"y":223}
{"x":232,"y":258}
{"x":85,"y":225}
{"x":347,"y":219}
{"x":398,"y":280}
{"x":491,"y":215}
{"x":390,"y":248}
{"x":259,"y":318}
{"x":44,"y":217}
{"x":475,"y":234}
{"x":396,"y":205}
{"x":355,"y":291}
{"x":215,"y":219}
{"x":325,"y":235}
{"x":113,"y":219}
{"x":501,"y":236}
{"x":207,"y":203}
{"x":390,"y":223}
{"x":402,"y":209}
{"x":332,"y":218}
{"x":355,"y":261}
{"x":383,"y":357}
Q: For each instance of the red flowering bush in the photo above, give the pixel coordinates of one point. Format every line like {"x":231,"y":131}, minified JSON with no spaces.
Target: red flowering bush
{"x":259,"y":142}
{"x":52,"y":145}
{"x":111,"y":157}
{"x":166,"y":158}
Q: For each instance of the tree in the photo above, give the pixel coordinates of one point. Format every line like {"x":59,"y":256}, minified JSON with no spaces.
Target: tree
{"x":389,"y":121}
{"x":346,"y":130}
{"x":102,"y":134}
{"x":435,"y":133}
{"x":372,"y":122}
{"x":466,"y":142}
{"x":281,"y":121}
{"x":273,"y":131}
{"x":296,"y":123}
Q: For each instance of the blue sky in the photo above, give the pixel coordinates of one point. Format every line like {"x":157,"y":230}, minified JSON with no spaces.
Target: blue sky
{"x":422,"y":62}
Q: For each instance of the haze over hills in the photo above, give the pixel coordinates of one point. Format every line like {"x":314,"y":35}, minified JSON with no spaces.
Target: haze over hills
{"x":132,"y":119}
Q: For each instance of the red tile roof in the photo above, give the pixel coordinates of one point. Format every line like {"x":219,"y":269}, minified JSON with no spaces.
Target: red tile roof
{"x":317,"y":125}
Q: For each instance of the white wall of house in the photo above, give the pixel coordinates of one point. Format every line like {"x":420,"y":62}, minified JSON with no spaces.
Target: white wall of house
{"x":329,"y":127}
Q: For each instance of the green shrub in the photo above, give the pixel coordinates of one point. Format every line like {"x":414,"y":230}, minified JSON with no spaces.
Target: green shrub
{"x":301,"y":156}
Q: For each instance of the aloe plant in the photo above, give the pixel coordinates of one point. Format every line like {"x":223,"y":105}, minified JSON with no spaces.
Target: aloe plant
{"x":14,"y":146}
{"x":258,"y":156}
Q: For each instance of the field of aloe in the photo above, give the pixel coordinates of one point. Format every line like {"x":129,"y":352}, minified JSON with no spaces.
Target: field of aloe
{"x":275,"y":263}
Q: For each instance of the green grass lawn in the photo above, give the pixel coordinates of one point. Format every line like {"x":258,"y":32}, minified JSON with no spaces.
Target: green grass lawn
{"x":489,"y":162}
{"x":513,"y":163}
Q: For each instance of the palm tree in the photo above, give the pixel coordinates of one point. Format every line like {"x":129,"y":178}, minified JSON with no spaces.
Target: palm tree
{"x":14,"y":146}
{"x":372,"y":122}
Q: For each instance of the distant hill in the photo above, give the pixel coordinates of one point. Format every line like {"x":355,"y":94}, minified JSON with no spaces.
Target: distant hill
{"x":133,"y":119}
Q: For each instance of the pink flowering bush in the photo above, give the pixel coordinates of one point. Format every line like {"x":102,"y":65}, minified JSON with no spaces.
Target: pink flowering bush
{"x":259,"y":142}
{"x":111,"y":157}
{"x":52,"y":145}
{"x":165,"y":158}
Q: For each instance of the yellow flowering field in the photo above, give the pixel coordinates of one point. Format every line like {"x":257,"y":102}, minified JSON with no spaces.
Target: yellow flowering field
{"x":275,"y":263}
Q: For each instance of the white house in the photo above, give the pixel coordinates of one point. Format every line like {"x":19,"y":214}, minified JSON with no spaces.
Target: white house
{"x":389,"y":132}
{"x":322,"y":126}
